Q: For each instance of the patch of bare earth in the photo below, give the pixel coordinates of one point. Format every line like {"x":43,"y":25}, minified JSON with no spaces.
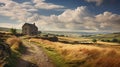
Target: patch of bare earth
{"x":34,"y":57}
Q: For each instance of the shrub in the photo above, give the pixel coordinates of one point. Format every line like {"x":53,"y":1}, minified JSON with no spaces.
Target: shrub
{"x":106,"y":40}
{"x":94,"y":40}
{"x":54,"y":39}
{"x":114,"y":40}
{"x":13,"y":31}
{"x":103,"y":40}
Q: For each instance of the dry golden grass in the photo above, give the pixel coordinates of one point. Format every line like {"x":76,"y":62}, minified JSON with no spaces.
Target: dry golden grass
{"x":84,"y":55}
{"x":108,"y":43}
{"x":14,"y":43}
{"x":107,"y":62}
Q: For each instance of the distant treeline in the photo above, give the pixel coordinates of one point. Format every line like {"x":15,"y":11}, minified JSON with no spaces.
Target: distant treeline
{"x":113,"y":40}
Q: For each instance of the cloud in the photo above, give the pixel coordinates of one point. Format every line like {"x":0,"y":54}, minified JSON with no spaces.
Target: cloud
{"x":43,"y":5}
{"x":98,"y":2}
{"x":71,"y":19}
{"x":78,"y":19}
{"x":25,"y":10}
{"x":108,"y":20}
{"x":16,"y":11}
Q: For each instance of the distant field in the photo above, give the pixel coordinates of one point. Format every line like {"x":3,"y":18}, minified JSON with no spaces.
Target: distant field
{"x":8,"y":30}
{"x":85,"y":40}
{"x":106,"y":36}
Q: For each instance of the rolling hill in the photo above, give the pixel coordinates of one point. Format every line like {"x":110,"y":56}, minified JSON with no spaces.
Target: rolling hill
{"x":8,"y":29}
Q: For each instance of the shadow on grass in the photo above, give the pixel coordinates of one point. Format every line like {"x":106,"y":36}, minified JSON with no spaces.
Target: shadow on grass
{"x":21,"y":63}
{"x":15,"y":61}
{"x":23,"y":49}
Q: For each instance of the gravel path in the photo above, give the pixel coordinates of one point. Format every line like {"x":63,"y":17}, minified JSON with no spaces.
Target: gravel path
{"x":34,"y":57}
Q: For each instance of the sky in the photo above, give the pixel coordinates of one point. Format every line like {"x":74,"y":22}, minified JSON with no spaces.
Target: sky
{"x":62,"y":15}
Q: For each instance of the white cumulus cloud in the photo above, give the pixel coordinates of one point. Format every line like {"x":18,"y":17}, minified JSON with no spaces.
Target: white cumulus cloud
{"x":43,"y":5}
{"x":79,"y":19}
{"x":71,"y":19}
{"x":98,"y":2}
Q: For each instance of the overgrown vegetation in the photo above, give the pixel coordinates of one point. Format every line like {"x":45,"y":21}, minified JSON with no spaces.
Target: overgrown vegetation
{"x":17,"y":48}
{"x":4,"y":53}
{"x":13,"y":59}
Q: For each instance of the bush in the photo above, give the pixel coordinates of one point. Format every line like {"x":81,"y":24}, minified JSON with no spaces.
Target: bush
{"x":114,"y":40}
{"x":106,"y":40}
{"x":94,"y":40}
{"x":103,"y":40}
{"x":54,"y":39}
{"x":13,"y":31}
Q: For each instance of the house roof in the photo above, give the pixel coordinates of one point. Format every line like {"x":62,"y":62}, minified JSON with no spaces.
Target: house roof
{"x":28,"y":24}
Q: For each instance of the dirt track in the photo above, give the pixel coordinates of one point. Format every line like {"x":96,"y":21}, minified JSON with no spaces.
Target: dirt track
{"x":34,"y":57}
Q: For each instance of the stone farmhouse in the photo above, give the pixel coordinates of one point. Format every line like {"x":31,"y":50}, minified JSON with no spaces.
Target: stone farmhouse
{"x":29,"y":29}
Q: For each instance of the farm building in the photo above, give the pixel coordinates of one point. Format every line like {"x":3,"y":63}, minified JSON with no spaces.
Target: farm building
{"x":29,"y":29}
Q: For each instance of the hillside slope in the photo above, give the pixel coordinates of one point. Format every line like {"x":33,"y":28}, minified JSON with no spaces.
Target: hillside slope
{"x":8,"y":29}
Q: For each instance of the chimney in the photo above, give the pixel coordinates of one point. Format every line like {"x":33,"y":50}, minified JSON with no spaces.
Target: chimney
{"x":33,"y":23}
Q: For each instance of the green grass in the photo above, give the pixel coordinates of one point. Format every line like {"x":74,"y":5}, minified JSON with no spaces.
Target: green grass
{"x":57,"y":59}
{"x":12,"y":60}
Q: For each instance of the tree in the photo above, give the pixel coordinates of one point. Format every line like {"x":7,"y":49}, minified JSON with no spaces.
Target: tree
{"x":13,"y":31}
{"x":94,"y":40}
{"x":114,"y":40}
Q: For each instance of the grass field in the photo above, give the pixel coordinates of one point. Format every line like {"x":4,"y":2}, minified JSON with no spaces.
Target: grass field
{"x":106,"y":36}
{"x":72,"y":52}
{"x":83,"y":55}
